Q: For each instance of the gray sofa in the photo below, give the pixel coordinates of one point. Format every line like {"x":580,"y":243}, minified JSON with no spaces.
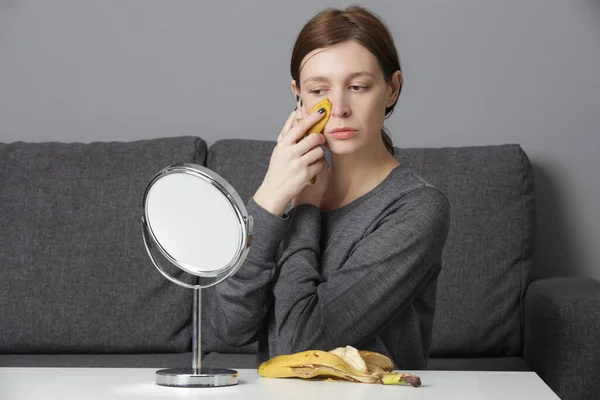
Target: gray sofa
{"x":78,"y":289}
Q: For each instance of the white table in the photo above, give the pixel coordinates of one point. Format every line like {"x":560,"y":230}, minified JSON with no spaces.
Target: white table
{"x":139,"y":383}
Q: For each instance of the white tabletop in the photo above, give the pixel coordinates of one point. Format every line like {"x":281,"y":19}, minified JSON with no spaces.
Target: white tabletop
{"x":139,"y":383}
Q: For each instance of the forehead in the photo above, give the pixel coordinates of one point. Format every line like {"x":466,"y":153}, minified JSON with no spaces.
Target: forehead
{"x":339,"y":61}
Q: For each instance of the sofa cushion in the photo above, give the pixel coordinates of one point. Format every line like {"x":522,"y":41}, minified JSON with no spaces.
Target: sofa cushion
{"x":74,"y":274}
{"x":488,"y":253}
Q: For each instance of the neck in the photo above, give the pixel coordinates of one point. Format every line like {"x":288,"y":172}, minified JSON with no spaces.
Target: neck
{"x":353,"y":175}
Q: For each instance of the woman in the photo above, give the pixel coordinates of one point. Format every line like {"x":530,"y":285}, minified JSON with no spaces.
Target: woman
{"x":356,"y":259}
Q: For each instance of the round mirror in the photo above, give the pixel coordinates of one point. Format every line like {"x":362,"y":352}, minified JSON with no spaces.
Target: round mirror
{"x":197,"y":221}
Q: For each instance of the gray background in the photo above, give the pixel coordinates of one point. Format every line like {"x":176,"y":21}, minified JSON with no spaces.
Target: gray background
{"x":476,"y":72}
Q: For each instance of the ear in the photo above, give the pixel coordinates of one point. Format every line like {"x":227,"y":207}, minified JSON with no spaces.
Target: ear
{"x":394,"y":88}
{"x":294,"y":88}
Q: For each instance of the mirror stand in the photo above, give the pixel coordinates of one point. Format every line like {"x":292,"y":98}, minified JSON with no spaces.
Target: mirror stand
{"x":196,"y":376}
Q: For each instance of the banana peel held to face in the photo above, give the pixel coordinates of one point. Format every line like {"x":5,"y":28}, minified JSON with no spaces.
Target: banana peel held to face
{"x":319,"y":126}
{"x":345,"y":363}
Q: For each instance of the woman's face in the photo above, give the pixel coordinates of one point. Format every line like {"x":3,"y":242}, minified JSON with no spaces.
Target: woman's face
{"x":350,"y":76}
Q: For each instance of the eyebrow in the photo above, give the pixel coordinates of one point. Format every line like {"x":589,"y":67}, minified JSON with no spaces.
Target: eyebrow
{"x":324,"y":79}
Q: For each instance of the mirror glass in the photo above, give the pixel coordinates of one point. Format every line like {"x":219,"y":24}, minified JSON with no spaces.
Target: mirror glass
{"x":194,"y":223}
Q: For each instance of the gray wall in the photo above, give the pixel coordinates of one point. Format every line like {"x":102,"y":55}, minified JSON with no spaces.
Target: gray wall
{"x":476,"y":72}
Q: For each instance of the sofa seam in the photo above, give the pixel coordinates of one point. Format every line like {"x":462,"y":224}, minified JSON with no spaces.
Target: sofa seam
{"x":209,"y":155}
{"x":199,"y":142}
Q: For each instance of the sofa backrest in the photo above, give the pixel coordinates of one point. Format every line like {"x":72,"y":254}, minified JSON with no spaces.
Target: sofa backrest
{"x":74,"y":274}
{"x":75,"y":277}
{"x":488,"y":254}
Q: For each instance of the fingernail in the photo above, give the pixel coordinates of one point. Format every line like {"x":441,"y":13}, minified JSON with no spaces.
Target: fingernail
{"x":297,"y":97}
{"x":300,"y":103}
{"x":295,"y":108}
{"x":321,"y":110}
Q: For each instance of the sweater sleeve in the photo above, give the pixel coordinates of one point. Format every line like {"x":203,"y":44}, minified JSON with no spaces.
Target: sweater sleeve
{"x":383,"y":273}
{"x":240,"y":302}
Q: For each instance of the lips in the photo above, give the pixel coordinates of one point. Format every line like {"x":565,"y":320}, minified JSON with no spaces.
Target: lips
{"x":342,"y":133}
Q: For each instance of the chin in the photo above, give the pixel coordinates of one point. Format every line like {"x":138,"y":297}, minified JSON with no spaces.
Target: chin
{"x":343,"y":147}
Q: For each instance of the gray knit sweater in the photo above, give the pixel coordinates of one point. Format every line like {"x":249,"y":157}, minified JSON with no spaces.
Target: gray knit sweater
{"x":363,"y":275}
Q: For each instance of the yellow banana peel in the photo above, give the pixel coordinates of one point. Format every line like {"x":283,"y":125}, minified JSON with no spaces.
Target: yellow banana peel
{"x":310,"y":364}
{"x":340,"y":363}
{"x":400,"y":379}
{"x":352,"y":357}
{"x":319,"y":126}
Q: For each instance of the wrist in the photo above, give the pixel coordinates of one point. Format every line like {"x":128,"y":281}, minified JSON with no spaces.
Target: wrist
{"x":269,"y":202}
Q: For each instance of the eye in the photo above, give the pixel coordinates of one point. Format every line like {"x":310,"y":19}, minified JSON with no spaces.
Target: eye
{"x":359,"y":88}
{"x":314,"y":91}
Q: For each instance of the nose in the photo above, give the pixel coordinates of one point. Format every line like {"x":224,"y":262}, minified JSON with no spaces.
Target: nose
{"x":339,"y":105}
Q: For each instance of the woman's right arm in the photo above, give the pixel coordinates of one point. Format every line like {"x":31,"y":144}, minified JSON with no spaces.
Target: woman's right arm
{"x":240,"y":302}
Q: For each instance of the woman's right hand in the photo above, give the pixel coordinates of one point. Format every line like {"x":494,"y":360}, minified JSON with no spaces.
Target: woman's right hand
{"x":295,"y":160}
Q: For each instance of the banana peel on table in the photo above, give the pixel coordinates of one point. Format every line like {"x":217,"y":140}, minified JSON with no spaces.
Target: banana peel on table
{"x":345,"y":363}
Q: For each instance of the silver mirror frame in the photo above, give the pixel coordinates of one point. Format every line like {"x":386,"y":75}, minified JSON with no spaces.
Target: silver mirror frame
{"x":245,"y":222}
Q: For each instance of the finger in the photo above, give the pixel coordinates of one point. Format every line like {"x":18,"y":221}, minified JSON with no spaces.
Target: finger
{"x":308,"y":143}
{"x":287,"y":126}
{"x":313,"y":155}
{"x":300,"y":129}
{"x":316,"y":167}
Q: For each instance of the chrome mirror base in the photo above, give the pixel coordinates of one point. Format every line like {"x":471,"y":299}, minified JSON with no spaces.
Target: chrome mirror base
{"x":189,"y":377}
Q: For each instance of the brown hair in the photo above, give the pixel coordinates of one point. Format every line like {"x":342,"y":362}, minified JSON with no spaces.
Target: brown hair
{"x":333,"y":26}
